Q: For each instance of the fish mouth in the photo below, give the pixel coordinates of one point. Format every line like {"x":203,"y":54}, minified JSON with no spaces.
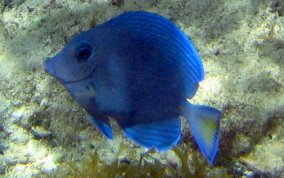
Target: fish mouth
{"x":49,"y":67}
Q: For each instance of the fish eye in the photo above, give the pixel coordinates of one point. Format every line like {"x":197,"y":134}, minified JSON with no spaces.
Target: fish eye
{"x":83,"y":53}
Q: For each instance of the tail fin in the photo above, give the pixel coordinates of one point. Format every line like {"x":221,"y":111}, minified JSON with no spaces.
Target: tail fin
{"x":204,"y":122}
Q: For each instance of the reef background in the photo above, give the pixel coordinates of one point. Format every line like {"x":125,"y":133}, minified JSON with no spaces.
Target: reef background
{"x":44,"y":133}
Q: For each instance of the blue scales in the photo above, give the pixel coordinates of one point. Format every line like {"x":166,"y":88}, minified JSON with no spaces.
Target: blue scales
{"x":140,"y":69}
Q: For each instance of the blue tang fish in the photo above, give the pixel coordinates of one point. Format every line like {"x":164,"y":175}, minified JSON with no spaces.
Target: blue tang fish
{"x":139,"y":69}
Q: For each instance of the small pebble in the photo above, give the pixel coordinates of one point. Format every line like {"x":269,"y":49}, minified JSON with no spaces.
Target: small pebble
{"x":40,"y":132}
{"x":18,"y":114}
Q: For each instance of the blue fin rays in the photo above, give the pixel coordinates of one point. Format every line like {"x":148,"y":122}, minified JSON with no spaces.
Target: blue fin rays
{"x":103,"y":125}
{"x":167,"y":37}
{"x":204,"y":124}
{"x":159,"y":135}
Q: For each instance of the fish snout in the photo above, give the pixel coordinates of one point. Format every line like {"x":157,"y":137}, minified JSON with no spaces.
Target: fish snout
{"x":48,"y":66}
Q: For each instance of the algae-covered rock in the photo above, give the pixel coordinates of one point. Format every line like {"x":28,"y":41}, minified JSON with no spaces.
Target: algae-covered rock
{"x":44,"y":133}
{"x":267,"y":158}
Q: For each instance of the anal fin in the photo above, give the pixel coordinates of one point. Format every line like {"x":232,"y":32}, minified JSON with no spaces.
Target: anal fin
{"x":158,"y":135}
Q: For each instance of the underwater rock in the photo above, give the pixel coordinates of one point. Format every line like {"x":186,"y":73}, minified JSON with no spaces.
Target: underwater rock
{"x":11,"y":3}
{"x":18,"y":114}
{"x":2,"y":167}
{"x":277,"y":6}
{"x":48,"y":166}
{"x":117,"y":2}
{"x":240,"y":41}
{"x":267,"y":157}
{"x":241,"y":145}
{"x":16,"y":155}
{"x":254,"y":4}
{"x":40,"y":132}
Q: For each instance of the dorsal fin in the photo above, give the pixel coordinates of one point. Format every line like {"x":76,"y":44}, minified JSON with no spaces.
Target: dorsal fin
{"x":166,"y":38}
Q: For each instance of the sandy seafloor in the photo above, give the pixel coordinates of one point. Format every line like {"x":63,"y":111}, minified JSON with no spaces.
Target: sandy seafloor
{"x":44,"y":133}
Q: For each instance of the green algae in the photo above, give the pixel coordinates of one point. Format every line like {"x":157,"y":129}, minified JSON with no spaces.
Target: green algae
{"x":93,"y":166}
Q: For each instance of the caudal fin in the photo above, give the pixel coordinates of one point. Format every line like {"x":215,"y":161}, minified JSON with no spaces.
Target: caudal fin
{"x":204,"y":122}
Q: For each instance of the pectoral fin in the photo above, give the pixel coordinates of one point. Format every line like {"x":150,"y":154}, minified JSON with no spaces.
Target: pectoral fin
{"x":103,"y":125}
